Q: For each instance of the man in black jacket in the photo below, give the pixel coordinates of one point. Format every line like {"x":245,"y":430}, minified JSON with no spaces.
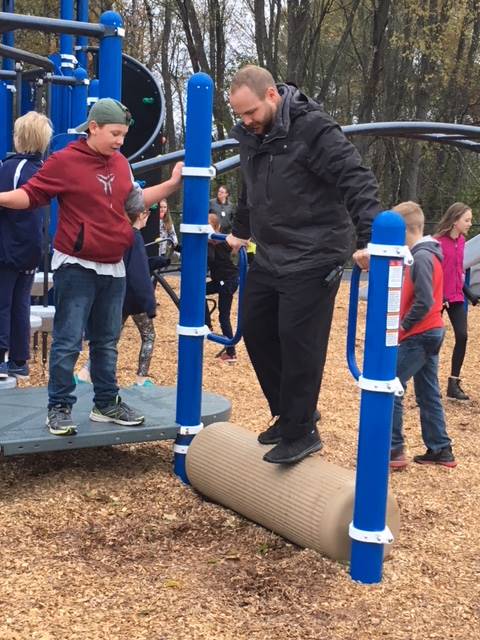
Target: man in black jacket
{"x":301,"y":176}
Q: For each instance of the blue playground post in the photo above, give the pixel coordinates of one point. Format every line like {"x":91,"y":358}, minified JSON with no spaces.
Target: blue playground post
{"x":79,"y":97}
{"x":93,"y":92}
{"x":82,"y":40}
{"x":67,"y":65}
{"x":6,"y":88}
{"x":110,"y":56}
{"x":192,"y":330}
{"x":378,"y":384}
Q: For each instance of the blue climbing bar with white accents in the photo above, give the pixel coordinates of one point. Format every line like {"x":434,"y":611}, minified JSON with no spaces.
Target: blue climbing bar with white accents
{"x":195,"y":229}
{"x":378,"y":383}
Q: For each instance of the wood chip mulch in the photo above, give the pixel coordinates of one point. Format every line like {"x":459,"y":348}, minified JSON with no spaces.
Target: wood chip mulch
{"x":107,"y":544}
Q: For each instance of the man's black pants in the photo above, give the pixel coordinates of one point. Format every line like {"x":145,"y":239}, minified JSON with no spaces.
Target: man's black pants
{"x":286,"y":327}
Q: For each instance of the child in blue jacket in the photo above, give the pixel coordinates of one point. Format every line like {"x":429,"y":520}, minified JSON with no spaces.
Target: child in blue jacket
{"x":20,"y":244}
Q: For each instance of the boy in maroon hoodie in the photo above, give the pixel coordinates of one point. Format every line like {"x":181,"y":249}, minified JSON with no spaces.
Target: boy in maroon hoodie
{"x":421,"y":336}
{"x":94,"y":186}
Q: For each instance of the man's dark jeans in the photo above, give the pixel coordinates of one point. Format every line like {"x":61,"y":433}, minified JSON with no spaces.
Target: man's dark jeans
{"x":286,"y":328}
{"x":85,"y":302}
{"x":418,"y":358}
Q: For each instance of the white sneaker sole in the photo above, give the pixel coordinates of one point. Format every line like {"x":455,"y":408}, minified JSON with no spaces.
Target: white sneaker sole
{"x":57,"y":432}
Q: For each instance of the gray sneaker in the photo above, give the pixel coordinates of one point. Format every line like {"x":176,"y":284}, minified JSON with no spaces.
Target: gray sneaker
{"x":59,"y":421}
{"x":119,"y":412}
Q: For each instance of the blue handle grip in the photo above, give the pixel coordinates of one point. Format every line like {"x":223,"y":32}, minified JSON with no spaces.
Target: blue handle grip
{"x":352,"y":322}
{"x":243,"y":264}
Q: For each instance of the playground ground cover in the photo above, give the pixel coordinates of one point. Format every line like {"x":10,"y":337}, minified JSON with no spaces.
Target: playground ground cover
{"x":106,"y":544}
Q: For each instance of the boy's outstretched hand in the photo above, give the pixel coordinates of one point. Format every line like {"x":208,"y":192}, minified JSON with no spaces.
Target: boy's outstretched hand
{"x":176,"y":176}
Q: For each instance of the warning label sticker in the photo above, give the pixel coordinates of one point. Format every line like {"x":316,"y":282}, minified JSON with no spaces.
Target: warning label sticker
{"x":393,"y":303}
{"x":393,"y":321}
{"x":391,"y":338}
{"x":395,"y":272}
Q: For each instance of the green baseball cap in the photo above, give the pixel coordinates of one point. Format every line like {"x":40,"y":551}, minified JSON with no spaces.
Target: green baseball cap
{"x":106,"y":111}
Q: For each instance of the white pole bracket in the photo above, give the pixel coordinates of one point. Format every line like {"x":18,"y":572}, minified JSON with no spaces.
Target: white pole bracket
{"x":196,"y":228}
{"x":192,"y":331}
{"x":180,"y":448}
{"x":381,"y":386}
{"x":391,"y":251}
{"x":199,"y":172}
{"x":375,"y":537}
{"x":190,"y":430}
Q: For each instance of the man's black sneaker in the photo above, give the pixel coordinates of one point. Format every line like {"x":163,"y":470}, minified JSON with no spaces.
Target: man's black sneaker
{"x":272,"y":434}
{"x":455,"y":391}
{"x":443,"y":457}
{"x":291,"y":451}
{"x":59,"y":421}
{"x":118,"y":412}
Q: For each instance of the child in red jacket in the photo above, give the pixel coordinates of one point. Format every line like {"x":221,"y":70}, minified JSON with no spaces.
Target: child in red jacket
{"x":93,"y":183}
{"x":421,"y":336}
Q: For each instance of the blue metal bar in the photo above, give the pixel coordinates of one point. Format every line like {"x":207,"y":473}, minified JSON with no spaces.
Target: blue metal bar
{"x":6,"y":117}
{"x":66,"y":39}
{"x":8,"y":37}
{"x":392,"y":128}
{"x":376,"y":407}
{"x":467,"y":282}
{"x":12,"y":21}
{"x":110,"y":56}
{"x":82,"y":40}
{"x":79,"y":97}
{"x":352,"y":322}
{"x":25,"y":56}
{"x":64,"y":94}
{"x":243,"y":269}
{"x":153,"y":163}
{"x":194,"y":264}
{"x":93,"y":91}
{"x":6,"y":96}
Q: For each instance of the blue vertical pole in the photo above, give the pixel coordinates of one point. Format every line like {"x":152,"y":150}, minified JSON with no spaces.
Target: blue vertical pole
{"x":110,"y":56}
{"x":79,"y":97}
{"x":67,"y":65}
{"x":5,"y":130}
{"x":368,"y":529}
{"x":93,"y":91}
{"x":7,"y":88}
{"x":192,"y":329}
{"x":82,"y":41}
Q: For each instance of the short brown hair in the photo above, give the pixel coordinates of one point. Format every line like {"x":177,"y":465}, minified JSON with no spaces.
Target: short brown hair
{"x":32,"y":133}
{"x":412,"y":214}
{"x":257,"y":79}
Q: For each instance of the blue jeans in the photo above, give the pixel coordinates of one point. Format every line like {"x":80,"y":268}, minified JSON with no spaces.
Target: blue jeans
{"x":85,"y":301}
{"x":418,"y":358}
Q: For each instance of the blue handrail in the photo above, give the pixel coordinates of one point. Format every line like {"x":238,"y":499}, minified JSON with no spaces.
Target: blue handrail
{"x":352,"y":322}
{"x":243,"y":268}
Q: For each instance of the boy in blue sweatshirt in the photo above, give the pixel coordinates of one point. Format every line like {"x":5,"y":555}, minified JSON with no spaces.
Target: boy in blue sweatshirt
{"x":20,"y":244}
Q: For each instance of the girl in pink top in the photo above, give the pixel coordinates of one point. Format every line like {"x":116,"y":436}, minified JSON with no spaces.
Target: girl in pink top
{"x":451,"y":232}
